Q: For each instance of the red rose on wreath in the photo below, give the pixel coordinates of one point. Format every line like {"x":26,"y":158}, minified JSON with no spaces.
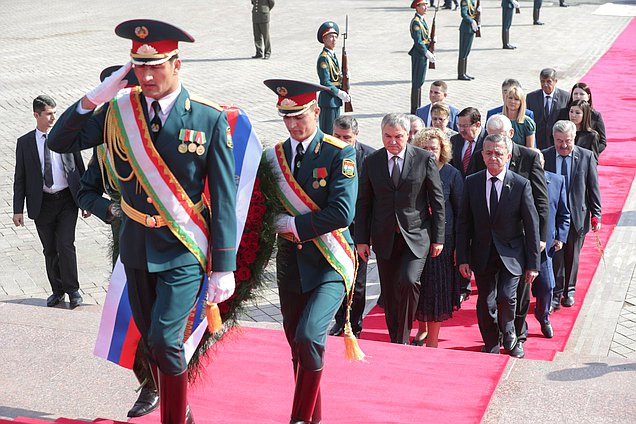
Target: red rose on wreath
{"x":243,"y":274}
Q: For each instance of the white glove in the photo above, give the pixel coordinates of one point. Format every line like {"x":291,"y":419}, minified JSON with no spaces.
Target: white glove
{"x":284,"y":223}
{"x":430,"y":56}
{"x":220,"y":286}
{"x":515,"y":3}
{"x":479,"y":9}
{"x":344,"y":96}
{"x":107,"y":89}
{"x":474,"y":25}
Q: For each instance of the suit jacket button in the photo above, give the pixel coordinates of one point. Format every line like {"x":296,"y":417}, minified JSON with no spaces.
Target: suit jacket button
{"x":299,"y":246}
{"x":149,"y":199}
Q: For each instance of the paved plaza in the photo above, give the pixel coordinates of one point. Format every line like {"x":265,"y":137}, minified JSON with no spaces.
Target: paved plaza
{"x":59,"y":48}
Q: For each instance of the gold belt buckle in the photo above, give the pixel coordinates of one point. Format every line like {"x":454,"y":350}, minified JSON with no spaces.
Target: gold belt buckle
{"x":151,"y":221}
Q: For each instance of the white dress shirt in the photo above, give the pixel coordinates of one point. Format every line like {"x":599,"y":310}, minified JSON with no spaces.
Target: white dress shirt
{"x":498,"y":185}
{"x":400,"y":160}
{"x":57,"y":167}
{"x":294,"y":146}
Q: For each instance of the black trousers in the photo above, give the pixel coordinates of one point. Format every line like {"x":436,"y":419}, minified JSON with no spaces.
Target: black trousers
{"x":400,"y":284}
{"x":521,"y":311}
{"x":566,"y":266}
{"x":56,"y":228}
{"x":359,"y":300}
{"x":496,"y":301}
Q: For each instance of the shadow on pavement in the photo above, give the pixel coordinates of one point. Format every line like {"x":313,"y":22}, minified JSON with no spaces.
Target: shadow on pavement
{"x":590,"y":371}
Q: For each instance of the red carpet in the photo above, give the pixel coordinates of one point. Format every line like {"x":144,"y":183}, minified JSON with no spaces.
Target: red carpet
{"x":250,"y":380}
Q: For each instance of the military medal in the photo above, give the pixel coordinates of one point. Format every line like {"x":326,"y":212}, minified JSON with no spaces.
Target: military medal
{"x":320,"y":175}
{"x":191,"y":141}
{"x":183,"y":148}
{"x":200,"y":150}
{"x":315,"y":185}
{"x":192,"y":147}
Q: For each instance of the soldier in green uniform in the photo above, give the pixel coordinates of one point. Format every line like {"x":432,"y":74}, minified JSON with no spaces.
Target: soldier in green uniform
{"x":507,"y":9}
{"x":419,"y":53}
{"x":536,"y":11}
{"x":315,"y":263}
{"x":260,"y":26}
{"x":467,"y":30}
{"x":330,"y":76}
{"x":162,"y":144}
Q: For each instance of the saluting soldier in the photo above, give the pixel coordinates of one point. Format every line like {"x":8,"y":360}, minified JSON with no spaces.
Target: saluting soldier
{"x":467,"y":30}
{"x":507,"y":9}
{"x":315,"y":263}
{"x":330,"y":76}
{"x":419,"y":53}
{"x":162,"y":144}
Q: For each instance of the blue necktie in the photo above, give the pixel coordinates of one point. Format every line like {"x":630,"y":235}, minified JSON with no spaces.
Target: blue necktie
{"x":565,"y":173}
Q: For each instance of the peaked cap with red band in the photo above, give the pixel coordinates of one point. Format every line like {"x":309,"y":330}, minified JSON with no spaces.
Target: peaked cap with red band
{"x":415,"y":3}
{"x":327,"y":28}
{"x":153,"y":42}
{"x":294,"y":97}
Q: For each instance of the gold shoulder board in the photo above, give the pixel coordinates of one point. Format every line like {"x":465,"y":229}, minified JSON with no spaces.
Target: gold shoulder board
{"x":206,"y":102}
{"x":335,"y":141}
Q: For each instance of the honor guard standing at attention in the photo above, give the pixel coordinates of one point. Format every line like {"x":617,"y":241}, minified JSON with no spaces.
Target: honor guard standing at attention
{"x":419,"y":53}
{"x":315,"y":263}
{"x":508,"y":7}
{"x":260,"y":25}
{"x":330,"y":76}
{"x":467,"y":30}
{"x":162,"y":144}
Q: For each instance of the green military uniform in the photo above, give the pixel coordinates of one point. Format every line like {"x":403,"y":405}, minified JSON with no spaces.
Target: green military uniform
{"x":466,"y":36}
{"x":421,"y":40}
{"x":260,"y":26}
{"x":507,"y":10}
{"x":310,"y":289}
{"x":536,"y":11}
{"x":330,"y":76}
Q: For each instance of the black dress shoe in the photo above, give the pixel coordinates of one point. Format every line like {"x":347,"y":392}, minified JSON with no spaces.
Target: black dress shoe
{"x":257,"y":56}
{"x":509,"y":47}
{"x":537,"y":23}
{"x":563,"y":4}
{"x":75,"y":299}
{"x":147,"y":402}
{"x":462,"y":77}
{"x":464,"y":296}
{"x":54,"y":300}
{"x":494,"y":350}
{"x":568,"y":302}
{"x":518,"y":351}
{"x":266,"y":57}
{"x":509,"y":341}
{"x":470,"y":77}
{"x":546,"y":330}
{"x":336,"y":330}
{"x":416,"y":342}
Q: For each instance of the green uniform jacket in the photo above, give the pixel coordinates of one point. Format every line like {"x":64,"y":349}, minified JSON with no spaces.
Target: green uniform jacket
{"x":90,"y":193}
{"x":157,"y":249}
{"x":420,"y":36}
{"x":337,"y":200}
{"x":260,"y":10}
{"x":507,"y":4}
{"x":330,"y":76}
{"x":468,"y":12}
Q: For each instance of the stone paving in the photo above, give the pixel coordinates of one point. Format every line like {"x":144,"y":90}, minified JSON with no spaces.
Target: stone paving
{"x":59,"y":49}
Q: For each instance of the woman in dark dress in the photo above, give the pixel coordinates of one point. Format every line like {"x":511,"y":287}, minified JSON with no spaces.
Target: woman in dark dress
{"x":581,"y":91}
{"x":580,"y":114}
{"x":439,"y":293}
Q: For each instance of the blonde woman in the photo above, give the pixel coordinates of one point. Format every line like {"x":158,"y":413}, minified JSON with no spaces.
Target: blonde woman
{"x":439,"y":292}
{"x":515,"y":109}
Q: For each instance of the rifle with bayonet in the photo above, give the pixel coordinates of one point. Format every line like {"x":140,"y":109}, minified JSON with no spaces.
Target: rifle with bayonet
{"x":348,"y":107}
{"x":431,"y":43}
{"x":478,"y":19}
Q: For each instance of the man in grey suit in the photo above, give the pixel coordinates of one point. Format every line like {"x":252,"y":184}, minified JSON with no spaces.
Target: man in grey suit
{"x":546,"y":104}
{"x":49,"y":182}
{"x":400,"y":210}
{"x":260,"y":24}
{"x":579,"y":168}
{"x":498,"y":240}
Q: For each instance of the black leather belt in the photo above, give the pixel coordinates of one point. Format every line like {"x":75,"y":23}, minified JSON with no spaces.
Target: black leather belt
{"x":57,"y":195}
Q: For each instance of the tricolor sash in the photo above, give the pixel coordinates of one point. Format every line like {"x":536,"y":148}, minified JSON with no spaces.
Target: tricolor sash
{"x":168,"y":196}
{"x":333,"y":245}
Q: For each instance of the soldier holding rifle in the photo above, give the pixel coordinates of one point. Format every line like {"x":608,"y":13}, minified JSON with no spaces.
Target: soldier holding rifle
{"x":420,"y":52}
{"x":470,"y":11}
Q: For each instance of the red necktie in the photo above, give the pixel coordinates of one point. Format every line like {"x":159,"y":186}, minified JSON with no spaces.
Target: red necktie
{"x":467,"y":154}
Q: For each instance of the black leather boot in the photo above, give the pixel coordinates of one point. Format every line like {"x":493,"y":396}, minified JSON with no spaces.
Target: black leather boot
{"x":305,"y":395}
{"x":148,"y":399}
{"x":174,"y":399}
{"x":470,"y":77}
{"x":416,"y":99}
{"x":505,"y":37}
{"x":461,"y":70}
{"x":535,"y":17}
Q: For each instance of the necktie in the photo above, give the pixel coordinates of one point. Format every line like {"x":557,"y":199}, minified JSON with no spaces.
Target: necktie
{"x":467,"y":155}
{"x":565,"y":173}
{"x":395,"y":172}
{"x":155,"y":122}
{"x":300,"y":154}
{"x":548,"y":100}
{"x":48,"y":169}
{"x":494,"y":200}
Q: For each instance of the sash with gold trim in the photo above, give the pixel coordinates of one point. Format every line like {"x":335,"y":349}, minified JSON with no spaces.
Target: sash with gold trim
{"x":132,"y":142}
{"x":333,"y":245}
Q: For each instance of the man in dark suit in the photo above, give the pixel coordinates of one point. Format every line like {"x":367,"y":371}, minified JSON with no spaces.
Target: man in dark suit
{"x":505,"y":86}
{"x":49,"y":182}
{"x":260,"y":26}
{"x":498,"y":240}
{"x":466,"y":157}
{"x":438,"y":92}
{"x":579,"y":169}
{"x":526,"y":163}
{"x":400,"y":211}
{"x":546,"y":104}
{"x":315,"y":261}
{"x":558,"y":228}
{"x":166,"y":234}
{"x":346,"y":129}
